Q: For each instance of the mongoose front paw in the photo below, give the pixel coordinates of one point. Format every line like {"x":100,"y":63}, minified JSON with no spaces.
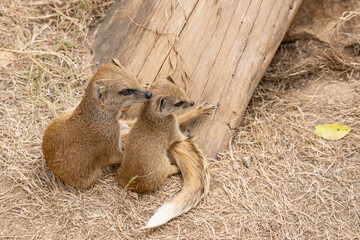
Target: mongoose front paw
{"x":204,"y":108}
{"x":187,"y":133}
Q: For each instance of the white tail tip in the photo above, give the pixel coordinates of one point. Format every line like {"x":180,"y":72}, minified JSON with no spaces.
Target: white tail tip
{"x":124,"y":127}
{"x":165,"y":213}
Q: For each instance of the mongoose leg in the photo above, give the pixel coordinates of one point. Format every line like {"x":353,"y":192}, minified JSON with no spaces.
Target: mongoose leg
{"x":203,"y":109}
{"x":117,"y":159}
{"x":173,"y":170}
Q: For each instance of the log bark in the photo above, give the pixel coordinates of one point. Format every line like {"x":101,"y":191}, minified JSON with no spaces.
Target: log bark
{"x":221,"y":47}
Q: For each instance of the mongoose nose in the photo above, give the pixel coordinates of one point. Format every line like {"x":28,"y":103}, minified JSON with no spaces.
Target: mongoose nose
{"x":148,"y":94}
{"x":192,"y":103}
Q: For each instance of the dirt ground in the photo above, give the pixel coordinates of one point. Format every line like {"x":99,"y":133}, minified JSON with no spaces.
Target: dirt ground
{"x":298,"y":186}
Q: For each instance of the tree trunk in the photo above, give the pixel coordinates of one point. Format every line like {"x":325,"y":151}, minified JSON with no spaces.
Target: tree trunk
{"x":221,"y":47}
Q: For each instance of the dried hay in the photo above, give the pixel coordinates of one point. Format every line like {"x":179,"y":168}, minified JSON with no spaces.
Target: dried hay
{"x":297,"y":186}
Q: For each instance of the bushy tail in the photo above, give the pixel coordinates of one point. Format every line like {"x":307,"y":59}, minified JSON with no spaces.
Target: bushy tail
{"x":194,"y":168}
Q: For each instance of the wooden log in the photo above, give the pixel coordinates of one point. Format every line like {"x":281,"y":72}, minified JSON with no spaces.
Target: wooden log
{"x":221,"y":47}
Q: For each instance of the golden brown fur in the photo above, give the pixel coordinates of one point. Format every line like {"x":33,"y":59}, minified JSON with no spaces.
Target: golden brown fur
{"x":153,"y":136}
{"x":149,"y":139}
{"x":77,"y":145}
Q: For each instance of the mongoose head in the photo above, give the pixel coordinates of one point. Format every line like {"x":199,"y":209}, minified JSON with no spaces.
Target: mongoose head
{"x":115,"y":87}
{"x":168,"y":98}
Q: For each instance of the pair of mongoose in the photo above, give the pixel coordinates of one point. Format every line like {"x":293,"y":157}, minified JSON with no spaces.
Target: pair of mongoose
{"x":79,"y":144}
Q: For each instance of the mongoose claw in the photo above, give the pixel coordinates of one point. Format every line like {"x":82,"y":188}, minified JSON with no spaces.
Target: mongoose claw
{"x":205,"y":109}
{"x":187,"y":133}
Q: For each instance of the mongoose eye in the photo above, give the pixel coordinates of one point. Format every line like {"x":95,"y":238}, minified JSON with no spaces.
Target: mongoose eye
{"x":179,"y":104}
{"x":126,"y":92}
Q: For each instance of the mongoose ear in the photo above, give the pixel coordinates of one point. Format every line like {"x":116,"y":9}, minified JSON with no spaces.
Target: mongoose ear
{"x":170,"y":79}
{"x":164,"y":105}
{"x":117,"y":63}
{"x":100,"y":88}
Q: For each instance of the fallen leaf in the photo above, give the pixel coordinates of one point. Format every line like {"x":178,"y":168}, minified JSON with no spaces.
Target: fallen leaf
{"x":332,"y":131}
{"x":6,"y":58}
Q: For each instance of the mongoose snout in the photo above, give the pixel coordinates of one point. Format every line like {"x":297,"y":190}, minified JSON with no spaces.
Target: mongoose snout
{"x":192,"y":103}
{"x":148,"y":94}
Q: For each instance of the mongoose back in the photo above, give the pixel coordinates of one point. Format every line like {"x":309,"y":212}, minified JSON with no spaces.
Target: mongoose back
{"x":152,"y":139}
{"x":77,"y":145}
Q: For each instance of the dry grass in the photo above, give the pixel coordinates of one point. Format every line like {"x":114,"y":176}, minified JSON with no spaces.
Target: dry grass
{"x":298,"y":186}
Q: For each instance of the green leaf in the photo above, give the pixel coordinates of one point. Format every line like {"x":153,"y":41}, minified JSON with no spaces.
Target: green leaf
{"x":332,"y":132}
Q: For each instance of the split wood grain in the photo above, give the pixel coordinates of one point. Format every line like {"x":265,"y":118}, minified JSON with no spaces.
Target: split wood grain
{"x":222,"y":47}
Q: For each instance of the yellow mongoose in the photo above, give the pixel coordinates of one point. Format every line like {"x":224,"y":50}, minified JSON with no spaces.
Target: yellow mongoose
{"x":152,"y":137}
{"x":79,"y":144}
